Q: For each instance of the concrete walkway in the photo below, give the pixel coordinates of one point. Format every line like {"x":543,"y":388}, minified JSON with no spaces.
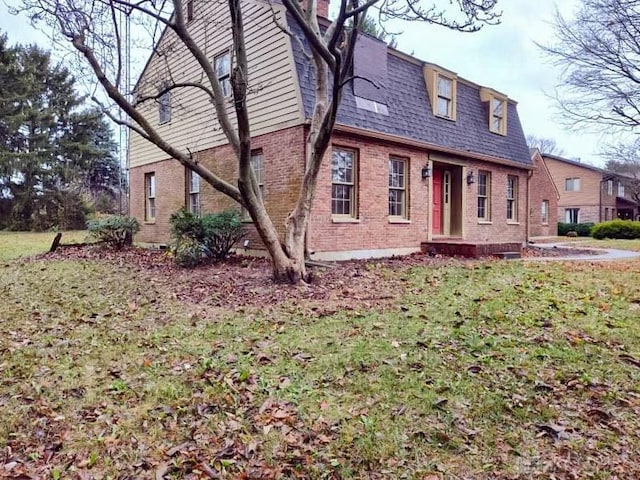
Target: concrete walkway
{"x":603,"y":255}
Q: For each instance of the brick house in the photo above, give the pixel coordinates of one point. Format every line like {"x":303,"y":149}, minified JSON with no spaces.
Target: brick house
{"x":590,"y":194}
{"x":543,"y":199}
{"x":423,"y":159}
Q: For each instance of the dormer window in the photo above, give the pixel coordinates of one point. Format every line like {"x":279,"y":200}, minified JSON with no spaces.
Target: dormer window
{"x":497,"y":106}
{"x":444,"y":103}
{"x":499,"y":116}
{"x":442,"y":89}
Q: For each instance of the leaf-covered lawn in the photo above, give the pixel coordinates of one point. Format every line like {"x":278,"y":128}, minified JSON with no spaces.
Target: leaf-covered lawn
{"x":22,"y":244}
{"x":395,"y":369}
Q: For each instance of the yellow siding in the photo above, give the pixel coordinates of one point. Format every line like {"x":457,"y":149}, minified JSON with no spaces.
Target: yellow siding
{"x":274,"y":99}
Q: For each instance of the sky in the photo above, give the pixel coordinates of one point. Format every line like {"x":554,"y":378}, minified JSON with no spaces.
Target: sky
{"x":503,"y":57}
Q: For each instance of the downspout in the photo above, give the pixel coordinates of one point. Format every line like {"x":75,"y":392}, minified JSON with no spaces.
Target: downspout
{"x":307,"y":254}
{"x":528,"y":218}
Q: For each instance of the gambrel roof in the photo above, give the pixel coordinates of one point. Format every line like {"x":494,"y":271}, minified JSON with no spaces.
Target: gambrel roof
{"x":410,"y":113}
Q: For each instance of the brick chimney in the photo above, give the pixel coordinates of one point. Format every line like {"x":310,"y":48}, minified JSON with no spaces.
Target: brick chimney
{"x":322,"y":7}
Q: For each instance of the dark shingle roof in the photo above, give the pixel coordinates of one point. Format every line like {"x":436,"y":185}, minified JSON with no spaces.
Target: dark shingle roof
{"x":410,"y":112}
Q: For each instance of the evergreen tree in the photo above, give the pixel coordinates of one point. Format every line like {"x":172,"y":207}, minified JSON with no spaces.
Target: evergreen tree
{"x":50,"y":151}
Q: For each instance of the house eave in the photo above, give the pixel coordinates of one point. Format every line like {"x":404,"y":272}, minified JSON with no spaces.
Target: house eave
{"x":429,"y":146}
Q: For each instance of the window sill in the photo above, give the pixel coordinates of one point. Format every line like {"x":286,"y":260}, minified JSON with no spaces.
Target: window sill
{"x":399,"y":220}
{"x":451,"y":119}
{"x":344,"y":220}
{"x":485,"y":222}
{"x":511,"y":222}
{"x":149,"y":222}
{"x":546,"y":224}
{"x":502,"y":134}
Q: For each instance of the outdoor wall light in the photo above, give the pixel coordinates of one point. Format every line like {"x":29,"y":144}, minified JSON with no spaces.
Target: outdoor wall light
{"x":470,"y":178}
{"x":426,"y":171}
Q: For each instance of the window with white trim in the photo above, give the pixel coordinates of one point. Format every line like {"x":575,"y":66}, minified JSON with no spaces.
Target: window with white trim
{"x":572,"y":184}
{"x":150,"y":197}
{"x":620,"y":189}
{"x":544,"y":212}
{"x":257,"y":165}
{"x":193,"y":181}
{"x":512,"y":198}
{"x":498,"y":121}
{"x":609,"y":187}
{"x":572,"y":215}
{"x":164,"y":107}
{"x":398,"y":172}
{"x":445,"y":96}
{"x":484,"y":196}
{"x":222,"y":67}
{"x":344,"y":182}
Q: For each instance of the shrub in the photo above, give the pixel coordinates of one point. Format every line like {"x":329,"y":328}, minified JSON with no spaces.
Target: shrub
{"x":222,"y":232}
{"x":624,"y":229}
{"x":208,"y":236}
{"x":116,"y":231}
{"x":581,"y":229}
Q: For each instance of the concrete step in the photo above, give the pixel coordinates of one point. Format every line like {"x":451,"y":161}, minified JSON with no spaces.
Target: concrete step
{"x":508,"y":255}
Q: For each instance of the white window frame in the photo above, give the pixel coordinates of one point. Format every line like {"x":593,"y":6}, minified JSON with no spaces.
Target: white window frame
{"x":150,"y":197}
{"x":620,"y":189}
{"x":610,"y":187}
{"x":164,"y":107}
{"x":398,"y":182}
{"x":344,"y":183}
{"x":498,"y":112}
{"x":572,"y":184}
{"x":484,"y":196}
{"x":224,"y":76}
{"x":257,"y":165}
{"x":544,"y":212}
{"x":193,"y":184}
{"x":569,"y":212}
{"x":449,"y":98}
{"x":512,"y":198}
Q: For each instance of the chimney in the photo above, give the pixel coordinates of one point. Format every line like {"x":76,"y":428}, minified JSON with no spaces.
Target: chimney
{"x":322,"y":7}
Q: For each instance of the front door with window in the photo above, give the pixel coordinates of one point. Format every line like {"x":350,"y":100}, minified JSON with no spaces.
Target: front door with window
{"x":436,"y":216}
{"x":446,"y":201}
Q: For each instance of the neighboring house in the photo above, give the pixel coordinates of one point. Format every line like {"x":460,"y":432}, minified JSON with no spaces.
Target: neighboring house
{"x":543,"y":199}
{"x":429,"y":160}
{"x":590,"y":194}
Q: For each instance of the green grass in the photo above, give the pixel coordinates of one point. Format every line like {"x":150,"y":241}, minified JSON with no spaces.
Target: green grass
{"x":23,"y":244}
{"x":472,"y":372}
{"x":610,"y":243}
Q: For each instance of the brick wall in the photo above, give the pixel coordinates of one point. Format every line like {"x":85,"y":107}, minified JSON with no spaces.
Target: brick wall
{"x":170,"y":196}
{"x":498,"y":229}
{"x":541,"y":187}
{"x":283,"y":153}
{"x":374,"y":230}
{"x":283,"y":166}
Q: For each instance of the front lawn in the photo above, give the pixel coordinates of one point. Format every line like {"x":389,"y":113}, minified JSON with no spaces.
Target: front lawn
{"x":22,"y":244}
{"x":611,"y":243}
{"x":439,"y":369}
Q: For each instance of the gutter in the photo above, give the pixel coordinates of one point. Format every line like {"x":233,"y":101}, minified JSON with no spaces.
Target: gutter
{"x":429,"y":146}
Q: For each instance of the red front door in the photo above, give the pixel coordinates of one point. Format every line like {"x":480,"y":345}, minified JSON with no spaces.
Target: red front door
{"x":436,"y":211}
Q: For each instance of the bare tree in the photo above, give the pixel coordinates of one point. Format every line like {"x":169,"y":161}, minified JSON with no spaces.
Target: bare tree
{"x":599,"y":52}
{"x":624,"y":158}
{"x":545,"y":145}
{"x":91,"y":27}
